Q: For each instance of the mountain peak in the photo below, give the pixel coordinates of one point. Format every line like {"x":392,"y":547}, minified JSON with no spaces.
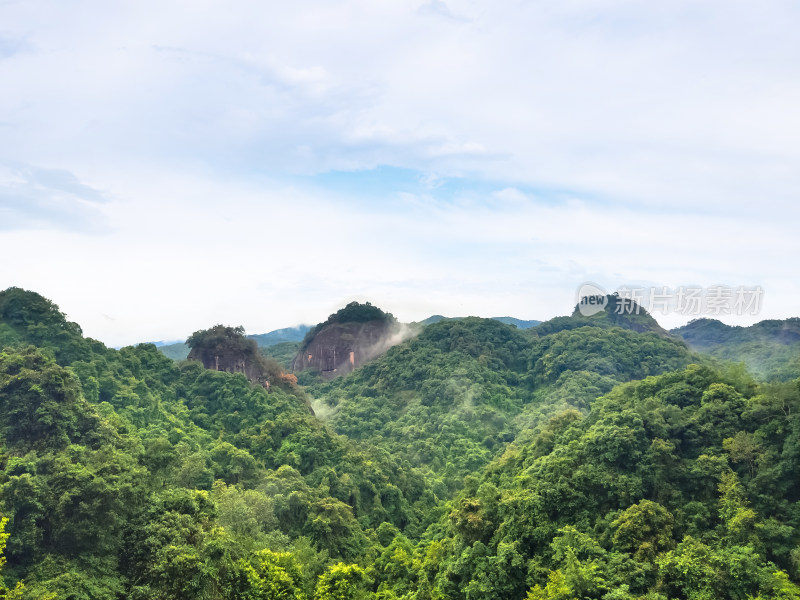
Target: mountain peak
{"x":349,"y":337}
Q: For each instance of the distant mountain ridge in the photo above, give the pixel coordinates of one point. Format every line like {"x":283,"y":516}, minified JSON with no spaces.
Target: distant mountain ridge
{"x":286,"y":334}
{"x":709,"y":333}
{"x":770,"y":349}
{"x":166,"y":343}
{"x":180,"y":351}
{"x":518,"y":323}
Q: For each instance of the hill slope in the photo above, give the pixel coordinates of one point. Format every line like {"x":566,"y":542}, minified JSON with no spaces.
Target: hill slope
{"x":665,"y":489}
{"x":617,"y":313}
{"x":180,"y":350}
{"x":139,"y":478}
{"x":770,"y":349}
{"x":453,"y":397}
{"x":518,"y":323}
{"x":577,"y":459}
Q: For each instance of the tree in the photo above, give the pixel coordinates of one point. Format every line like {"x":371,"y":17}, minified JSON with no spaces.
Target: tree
{"x":643,"y":529}
{"x":280,"y":576}
{"x":5,"y":593}
{"x":342,"y":582}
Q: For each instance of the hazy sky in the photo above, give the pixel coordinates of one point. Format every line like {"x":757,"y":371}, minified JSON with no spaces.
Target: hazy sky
{"x":165,"y":166}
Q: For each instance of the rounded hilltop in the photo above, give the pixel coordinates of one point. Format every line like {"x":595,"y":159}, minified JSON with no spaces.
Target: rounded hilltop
{"x":348,"y":338}
{"x":224,"y":348}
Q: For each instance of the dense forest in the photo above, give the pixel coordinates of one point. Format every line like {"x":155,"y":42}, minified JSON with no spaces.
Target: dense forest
{"x":599,"y":458}
{"x":770,"y":349}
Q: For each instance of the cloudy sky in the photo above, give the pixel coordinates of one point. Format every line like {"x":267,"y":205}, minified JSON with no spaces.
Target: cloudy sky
{"x":165,"y":166}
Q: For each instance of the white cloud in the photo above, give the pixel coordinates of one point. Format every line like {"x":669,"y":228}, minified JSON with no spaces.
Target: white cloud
{"x":611,"y":140}
{"x":32,"y":198}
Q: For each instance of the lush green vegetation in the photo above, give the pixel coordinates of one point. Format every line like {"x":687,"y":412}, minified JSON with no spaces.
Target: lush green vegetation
{"x":126,"y":474}
{"x":518,"y":323}
{"x":279,"y":336}
{"x":283,"y":352}
{"x":618,"y":312}
{"x":354,"y":312}
{"x":678,"y":486}
{"x":267,"y":342}
{"x":451,"y":399}
{"x":578,"y":459}
{"x":770,"y":349}
{"x":177,"y":351}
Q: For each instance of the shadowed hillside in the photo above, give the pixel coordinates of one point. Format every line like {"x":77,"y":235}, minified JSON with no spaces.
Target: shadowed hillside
{"x":770,"y":349}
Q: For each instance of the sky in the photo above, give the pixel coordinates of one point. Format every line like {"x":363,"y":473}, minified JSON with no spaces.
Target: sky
{"x":166,"y":166}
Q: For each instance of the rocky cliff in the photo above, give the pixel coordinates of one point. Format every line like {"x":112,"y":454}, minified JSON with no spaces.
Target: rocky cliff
{"x":232,"y":361}
{"x":341,"y":347}
{"x":227,"y":349}
{"x":348,"y":339}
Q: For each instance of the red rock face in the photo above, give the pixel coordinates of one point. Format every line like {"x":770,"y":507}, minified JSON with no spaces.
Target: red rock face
{"x":230,"y":362}
{"x":341,"y":347}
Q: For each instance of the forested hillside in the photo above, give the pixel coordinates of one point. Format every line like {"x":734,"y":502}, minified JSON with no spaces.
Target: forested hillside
{"x":265,"y":341}
{"x":770,"y":349}
{"x":678,"y":486}
{"x":453,"y":397}
{"x":582,"y":458}
{"x":126,"y":474}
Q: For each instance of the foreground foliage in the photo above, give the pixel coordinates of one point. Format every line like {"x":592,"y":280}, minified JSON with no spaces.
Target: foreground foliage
{"x":585,"y":459}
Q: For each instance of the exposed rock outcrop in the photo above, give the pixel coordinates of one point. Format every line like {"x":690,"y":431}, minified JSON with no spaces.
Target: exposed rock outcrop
{"x":354,"y":335}
{"x":228,"y":360}
{"x":227,"y":349}
{"x":340,"y":347}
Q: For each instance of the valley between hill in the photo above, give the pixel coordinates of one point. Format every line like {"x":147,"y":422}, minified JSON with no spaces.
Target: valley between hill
{"x":470,"y":459}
